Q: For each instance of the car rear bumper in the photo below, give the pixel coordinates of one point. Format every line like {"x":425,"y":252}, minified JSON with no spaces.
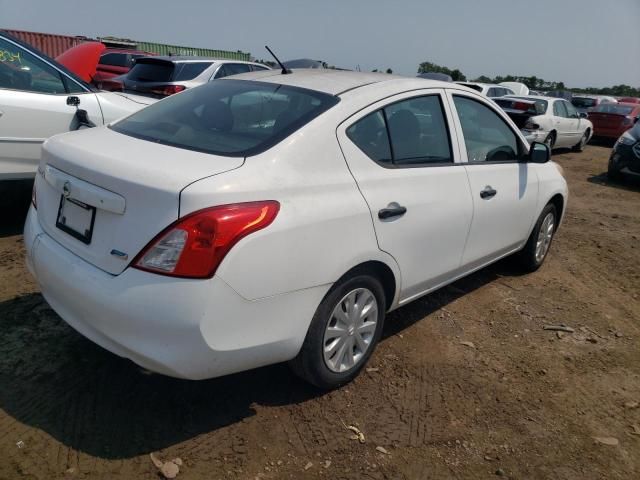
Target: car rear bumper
{"x":535,"y":135}
{"x":184,"y":328}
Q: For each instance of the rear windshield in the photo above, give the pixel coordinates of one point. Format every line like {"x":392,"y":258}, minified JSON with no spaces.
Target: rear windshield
{"x":159,"y":71}
{"x":227,"y":117}
{"x":581,"y":102}
{"x":614,"y":108}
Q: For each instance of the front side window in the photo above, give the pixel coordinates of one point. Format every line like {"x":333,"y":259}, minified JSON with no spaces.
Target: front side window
{"x":487,"y":136}
{"x":231,"y":117}
{"x":411,"y":132}
{"x":20,"y":70}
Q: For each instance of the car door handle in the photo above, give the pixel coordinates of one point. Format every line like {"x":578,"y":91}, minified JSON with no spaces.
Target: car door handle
{"x":488,"y":192}
{"x":392,"y":210}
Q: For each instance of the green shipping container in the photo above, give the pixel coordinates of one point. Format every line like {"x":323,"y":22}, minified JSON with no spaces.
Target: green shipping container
{"x":165,"y":49}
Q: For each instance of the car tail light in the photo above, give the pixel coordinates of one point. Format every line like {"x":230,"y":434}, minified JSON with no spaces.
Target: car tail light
{"x":531,"y":126}
{"x":521,"y":106}
{"x":167,"y":90}
{"x":195,"y":245}
{"x":34,"y":199}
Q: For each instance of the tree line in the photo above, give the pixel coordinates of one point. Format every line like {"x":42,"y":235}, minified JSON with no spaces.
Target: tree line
{"x":533,"y":82}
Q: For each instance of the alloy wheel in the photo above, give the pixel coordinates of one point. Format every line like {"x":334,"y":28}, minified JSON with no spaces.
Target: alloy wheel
{"x":350,"y":330}
{"x":544,"y":236}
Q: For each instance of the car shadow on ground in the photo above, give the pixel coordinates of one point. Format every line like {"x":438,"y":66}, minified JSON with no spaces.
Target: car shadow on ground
{"x":15,"y":198}
{"x":55,"y":380}
{"x":626,"y":183}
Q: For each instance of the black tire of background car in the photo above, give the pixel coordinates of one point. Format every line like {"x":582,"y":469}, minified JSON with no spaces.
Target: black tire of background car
{"x":310,"y":364}
{"x":527,"y":256}
{"x":579,"y":147}
{"x":550,"y":141}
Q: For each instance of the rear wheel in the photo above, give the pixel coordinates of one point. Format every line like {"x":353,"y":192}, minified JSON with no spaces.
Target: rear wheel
{"x":582,"y":143}
{"x":535,"y":251}
{"x":550,"y":141}
{"x":343,"y":333}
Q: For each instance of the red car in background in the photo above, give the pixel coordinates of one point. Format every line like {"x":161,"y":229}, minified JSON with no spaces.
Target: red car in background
{"x":610,"y":120}
{"x":115,"y":62}
{"x":629,"y":100}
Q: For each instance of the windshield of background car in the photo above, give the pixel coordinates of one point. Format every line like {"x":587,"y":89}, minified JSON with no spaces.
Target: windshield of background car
{"x":614,"y":108}
{"x":227,"y":117}
{"x":581,"y":102}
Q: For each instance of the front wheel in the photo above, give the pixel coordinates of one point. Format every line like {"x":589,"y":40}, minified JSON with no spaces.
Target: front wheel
{"x":343,"y":333}
{"x":535,"y":251}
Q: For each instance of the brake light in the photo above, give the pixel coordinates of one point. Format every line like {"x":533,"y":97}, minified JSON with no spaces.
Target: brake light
{"x":34,"y":199}
{"x":167,"y":90}
{"x":521,"y":106}
{"x":195,"y":245}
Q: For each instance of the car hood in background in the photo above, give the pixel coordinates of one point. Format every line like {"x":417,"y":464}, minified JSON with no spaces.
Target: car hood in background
{"x":82,"y":59}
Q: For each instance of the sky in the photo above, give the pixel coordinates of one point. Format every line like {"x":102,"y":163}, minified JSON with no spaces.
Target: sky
{"x":580,"y":42}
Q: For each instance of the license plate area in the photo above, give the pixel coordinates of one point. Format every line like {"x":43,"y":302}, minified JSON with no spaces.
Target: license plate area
{"x":76,"y":219}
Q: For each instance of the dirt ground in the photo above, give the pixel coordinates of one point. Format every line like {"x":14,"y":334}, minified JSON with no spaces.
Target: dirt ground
{"x":518,"y":401}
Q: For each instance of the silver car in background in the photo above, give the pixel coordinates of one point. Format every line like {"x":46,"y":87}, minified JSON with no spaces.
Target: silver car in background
{"x":163,"y":76}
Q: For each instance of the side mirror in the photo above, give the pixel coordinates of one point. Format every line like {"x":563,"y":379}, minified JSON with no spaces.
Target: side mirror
{"x":584,"y":115}
{"x":539,"y":153}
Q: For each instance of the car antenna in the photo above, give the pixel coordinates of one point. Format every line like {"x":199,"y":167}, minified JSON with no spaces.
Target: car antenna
{"x":284,"y":69}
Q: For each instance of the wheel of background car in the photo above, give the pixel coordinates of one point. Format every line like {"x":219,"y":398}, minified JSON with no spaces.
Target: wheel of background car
{"x":343,"y":333}
{"x":582,"y":143}
{"x":535,"y":251}
{"x":550,"y":141}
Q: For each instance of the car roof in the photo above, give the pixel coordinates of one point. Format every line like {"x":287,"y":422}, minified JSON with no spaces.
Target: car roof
{"x":192,"y":58}
{"x":336,"y":82}
{"x":533,"y":97}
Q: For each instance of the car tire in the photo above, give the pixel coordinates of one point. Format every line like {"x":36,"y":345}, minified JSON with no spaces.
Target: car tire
{"x":579,"y":147}
{"x":534,"y":253}
{"x":318,"y":361}
{"x":550,"y":141}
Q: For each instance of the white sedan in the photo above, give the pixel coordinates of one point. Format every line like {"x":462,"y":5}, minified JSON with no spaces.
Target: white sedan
{"x":277,"y":217}
{"x":40,"y":98}
{"x":551,"y":120}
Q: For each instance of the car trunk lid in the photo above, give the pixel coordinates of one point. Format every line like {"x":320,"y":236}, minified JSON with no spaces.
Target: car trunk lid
{"x":104,"y":195}
{"x":519,"y":110}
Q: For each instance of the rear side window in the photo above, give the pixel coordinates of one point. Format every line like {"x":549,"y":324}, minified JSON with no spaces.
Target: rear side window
{"x":188,"y":71}
{"x":151,"y":72}
{"x":230,"y":117}
{"x":486,"y":135}
{"x":412,"y":132}
{"x":559,"y":109}
{"x":232,"y":69}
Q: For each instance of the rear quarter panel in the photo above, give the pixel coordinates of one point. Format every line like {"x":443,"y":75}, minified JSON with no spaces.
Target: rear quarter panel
{"x":322,"y":230}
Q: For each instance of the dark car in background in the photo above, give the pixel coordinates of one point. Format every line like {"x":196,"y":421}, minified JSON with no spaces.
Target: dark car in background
{"x":162,"y":76}
{"x":585,"y":103}
{"x":115,"y":62}
{"x":610,"y":120}
{"x":625,"y":157}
